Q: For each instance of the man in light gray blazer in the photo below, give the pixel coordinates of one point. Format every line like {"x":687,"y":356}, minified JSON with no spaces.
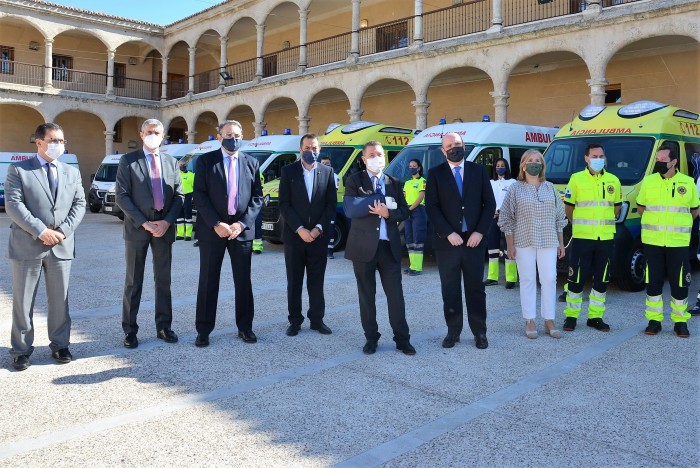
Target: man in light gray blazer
{"x":149,"y":193}
{"x":45,"y":200}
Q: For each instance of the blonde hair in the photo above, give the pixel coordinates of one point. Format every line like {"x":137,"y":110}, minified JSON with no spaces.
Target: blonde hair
{"x":523,"y":162}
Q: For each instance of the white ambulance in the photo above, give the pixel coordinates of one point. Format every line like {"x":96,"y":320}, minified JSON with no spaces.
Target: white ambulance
{"x":103,"y":180}
{"x":7,"y":158}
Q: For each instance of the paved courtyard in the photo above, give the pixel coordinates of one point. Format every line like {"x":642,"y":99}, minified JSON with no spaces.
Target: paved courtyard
{"x":588,"y":399}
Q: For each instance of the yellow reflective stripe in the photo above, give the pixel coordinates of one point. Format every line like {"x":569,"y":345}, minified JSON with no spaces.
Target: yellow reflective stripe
{"x":598,"y":295}
{"x":587,"y":203}
{"x":673,"y":209}
{"x":594,"y":222}
{"x":652,"y":227}
{"x":654,"y":309}
{"x":679,"y":302}
{"x":655,"y":208}
{"x":570,"y":295}
{"x":494,"y":251}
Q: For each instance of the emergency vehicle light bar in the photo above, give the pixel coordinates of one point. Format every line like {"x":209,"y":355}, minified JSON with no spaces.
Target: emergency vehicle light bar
{"x":590,"y":111}
{"x":639,"y":108}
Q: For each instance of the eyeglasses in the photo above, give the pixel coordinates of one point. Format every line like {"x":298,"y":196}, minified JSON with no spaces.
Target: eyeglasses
{"x":56,"y":141}
{"x":231,"y":135}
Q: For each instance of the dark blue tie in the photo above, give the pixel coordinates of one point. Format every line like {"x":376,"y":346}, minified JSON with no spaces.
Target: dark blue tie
{"x":458,"y":180}
{"x":377,"y":185}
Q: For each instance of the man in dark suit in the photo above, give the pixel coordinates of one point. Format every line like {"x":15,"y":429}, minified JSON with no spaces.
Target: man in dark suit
{"x":148,"y":191}
{"x":460,"y":206}
{"x":45,"y":202}
{"x":307,"y":198}
{"x":376,"y":204}
{"x":228,"y":196}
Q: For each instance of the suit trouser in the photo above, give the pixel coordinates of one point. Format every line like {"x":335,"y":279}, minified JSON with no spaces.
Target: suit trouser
{"x":25,"y":282}
{"x":211,"y":257}
{"x":531,"y":263}
{"x":390,"y":274}
{"x":466,"y":264}
{"x":136,"y":251}
{"x":312,"y":257}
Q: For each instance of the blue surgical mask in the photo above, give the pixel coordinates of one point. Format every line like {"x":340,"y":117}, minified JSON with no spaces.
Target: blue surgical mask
{"x":413,"y":170}
{"x":231,"y":144}
{"x":597,"y":164}
{"x":309,"y":157}
{"x":501,"y":170}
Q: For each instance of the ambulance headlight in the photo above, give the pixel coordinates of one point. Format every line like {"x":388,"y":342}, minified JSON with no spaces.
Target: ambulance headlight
{"x":94,"y":187}
{"x":623,"y":213}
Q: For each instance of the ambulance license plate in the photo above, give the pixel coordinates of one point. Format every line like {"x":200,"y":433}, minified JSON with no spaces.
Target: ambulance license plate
{"x":108,"y":208}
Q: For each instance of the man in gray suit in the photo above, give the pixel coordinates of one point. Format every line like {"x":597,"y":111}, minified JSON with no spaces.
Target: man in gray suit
{"x":45,"y":200}
{"x":149,"y":193}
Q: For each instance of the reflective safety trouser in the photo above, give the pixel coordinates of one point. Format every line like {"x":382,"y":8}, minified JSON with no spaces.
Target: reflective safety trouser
{"x":184,"y":221}
{"x":673,"y":263}
{"x":257,"y":242}
{"x":415,"y":231}
{"x":493,"y":244}
{"x":588,"y":257}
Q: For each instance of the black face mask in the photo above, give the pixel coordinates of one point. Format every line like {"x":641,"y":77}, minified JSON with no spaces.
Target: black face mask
{"x":413,"y":170}
{"x":183,"y":169}
{"x":455,"y":154}
{"x":309,"y":157}
{"x":661,"y":167}
{"x":231,"y":144}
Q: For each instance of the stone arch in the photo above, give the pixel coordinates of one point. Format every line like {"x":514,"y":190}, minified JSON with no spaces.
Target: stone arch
{"x":390,"y":98}
{"x":459,"y":94}
{"x":37,"y":25}
{"x":18,"y":131}
{"x":83,"y":129}
{"x":205,"y":124}
{"x":245,"y":115}
{"x":279,"y":112}
{"x":325,"y":105}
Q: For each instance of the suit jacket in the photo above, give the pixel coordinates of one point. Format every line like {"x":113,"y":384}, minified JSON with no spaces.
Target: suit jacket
{"x":135,"y":194}
{"x":30,"y":206}
{"x":445,"y":208}
{"x":295,"y":206}
{"x":211,"y":194}
{"x":363,"y":238}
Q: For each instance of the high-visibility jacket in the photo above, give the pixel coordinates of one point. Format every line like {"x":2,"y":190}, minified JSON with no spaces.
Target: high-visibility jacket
{"x":667,"y":220}
{"x":412,"y":189}
{"x":187,"y":182}
{"x":594,"y":197}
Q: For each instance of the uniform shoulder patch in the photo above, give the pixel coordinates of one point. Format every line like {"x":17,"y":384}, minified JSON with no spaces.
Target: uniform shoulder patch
{"x":611,"y":189}
{"x":682,"y":190}
{"x":567,"y":193}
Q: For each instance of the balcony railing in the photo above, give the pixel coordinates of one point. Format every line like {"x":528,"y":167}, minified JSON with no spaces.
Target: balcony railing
{"x":21,"y":73}
{"x":328,"y":50}
{"x":76,"y":80}
{"x":457,"y":20}
{"x":519,"y":12}
{"x":206,"y":81}
{"x":139,"y":89}
{"x":241,"y":72}
{"x":386,"y":36}
{"x":609,"y":3}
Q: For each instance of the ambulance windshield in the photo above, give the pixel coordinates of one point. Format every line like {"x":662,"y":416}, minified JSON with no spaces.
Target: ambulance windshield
{"x":627,"y":157}
{"x":106,"y":173}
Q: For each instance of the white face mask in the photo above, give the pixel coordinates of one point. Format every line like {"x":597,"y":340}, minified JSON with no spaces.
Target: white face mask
{"x":152,"y":141}
{"x":376,"y":164}
{"x":55,"y":150}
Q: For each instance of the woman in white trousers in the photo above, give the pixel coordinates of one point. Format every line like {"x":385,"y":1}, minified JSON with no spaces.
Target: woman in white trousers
{"x":532,"y":218}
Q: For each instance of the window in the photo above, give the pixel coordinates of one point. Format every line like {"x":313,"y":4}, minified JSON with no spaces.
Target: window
{"x":270,"y":65}
{"x":119,"y":75}
{"x":692,"y":153}
{"x":487,"y":158}
{"x":393,"y":36}
{"x":118,"y":132}
{"x":274,"y":170}
{"x":62,"y":66}
{"x":613,"y":94}
{"x":7,"y":58}
{"x":515,"y":156}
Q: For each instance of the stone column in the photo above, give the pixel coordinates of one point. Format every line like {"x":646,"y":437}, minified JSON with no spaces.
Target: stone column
{"x":355,"y":114}
{"x":500,"y":104}
{"x":355,"y":35}
{"x":421,"y":113}
{"x":109,"y":142}
{"x":164,"y":80}
{"x":223,"y":60}
{"x":190,"y":136}
{"x":110,"y":73}
{"x":261,"y":41}
{"x":190,"y":89}
{"x":418,"y":24}
{"x":259,"y":127}
{"x":48,"y":62}
{"x":303,"y":23}
{"x":597,"y":93}
{"x":497,"y":14}
{"x":303,"y":124}
{"x":593,"y":7}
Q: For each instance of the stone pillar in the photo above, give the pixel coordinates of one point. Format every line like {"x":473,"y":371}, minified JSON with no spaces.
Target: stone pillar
{"x":259,"y":127}
{"x":48,"y":62}
{"x":500,"y":104}
{"x":190,"y":136}
{"x":110,"y":73}
{"x":355,"y":35}
{"x":190,"y":88}
{"x":109,"y":142}
{"x":597,"y":93}
{"x":593,"y":7}
{"x":261,"y":41}
{"x":421,"y":113}
{"x":355,"y":114}
{"x":223,"y":60}
{"x":303,"y":22}
{"x":164,"y":80}
{"x":497,"y":14}
{"x":303,"y":124}
{"x":418,"y":24}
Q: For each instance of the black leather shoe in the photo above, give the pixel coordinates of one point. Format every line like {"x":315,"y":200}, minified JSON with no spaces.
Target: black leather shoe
{"x":130,"y":341}
{"x":653,"y":328}
{"x":510,"y":284}
{"x":248,"y":336}
{"x":293,"y":329}
{"x":490,"y":282}
{"x":406,"y":348}
{"x":202,"y":341}
{"x":195,"y":243}
{"x":370,"y":347}
{"x":598,"y":324}
{"x":188,"y":239}
{"x":62,"y":356}
{"x":21,"y":362}
{"x":167,"y":335}
{"x":481,"y":341}
{"x":321,"y":327}
{"x":179,"y":237}
{"x":681,"y":330}
{"x":450,"y":341}
{"x":569,"y":324}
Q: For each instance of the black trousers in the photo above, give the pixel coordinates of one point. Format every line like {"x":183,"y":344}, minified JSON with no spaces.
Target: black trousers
{"x":589,"y":256}
{"x":211,"y":257}
{"x":310,"y":257}
{"x":390,"y":273}
{"x":136,"y":251}
{"x":668,"y":262}
{"x":463,"y":264}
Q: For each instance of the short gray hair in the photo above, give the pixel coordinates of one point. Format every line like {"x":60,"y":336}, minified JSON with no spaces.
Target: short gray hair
{"x":229,"y":122}
{"x":149,"y":122}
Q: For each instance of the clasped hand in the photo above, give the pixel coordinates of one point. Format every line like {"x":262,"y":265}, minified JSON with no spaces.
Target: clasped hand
{"x":156,"y":228}
{"x":51,"y":237}
{"x":309,"y":236}
{"x":379,"y":209}
{"x":228,"y":231}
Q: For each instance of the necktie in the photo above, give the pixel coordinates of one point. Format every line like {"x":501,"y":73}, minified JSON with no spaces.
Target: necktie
{"x":157,"y":184}
{"x":232,"y":186}
{"x":377,"y":185}
{"x":458,"y":180}
{"x":52,"y":179}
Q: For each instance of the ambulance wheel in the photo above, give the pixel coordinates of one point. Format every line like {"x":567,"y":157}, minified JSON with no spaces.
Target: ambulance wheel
{"x":341,"y":234}
{"x":633,"y":270}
